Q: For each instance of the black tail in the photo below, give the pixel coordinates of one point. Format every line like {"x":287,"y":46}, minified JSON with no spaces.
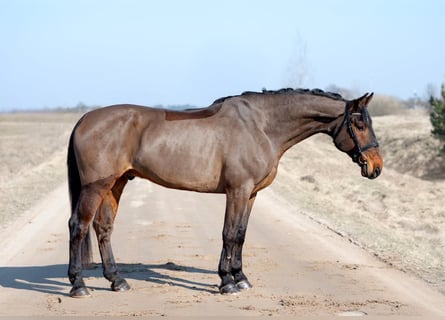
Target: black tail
{"x":74,"y":186}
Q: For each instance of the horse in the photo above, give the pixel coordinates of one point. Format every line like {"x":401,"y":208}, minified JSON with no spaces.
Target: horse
{"x":232,"y":147}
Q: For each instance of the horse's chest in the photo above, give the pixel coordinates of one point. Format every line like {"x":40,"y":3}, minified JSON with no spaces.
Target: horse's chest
{"x":267,"y":180}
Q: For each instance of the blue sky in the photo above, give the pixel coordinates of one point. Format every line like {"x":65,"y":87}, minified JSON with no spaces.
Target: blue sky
{"x":62,"y":52}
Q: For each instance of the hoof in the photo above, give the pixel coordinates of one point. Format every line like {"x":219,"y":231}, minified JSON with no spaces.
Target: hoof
{"x":80,"y":292}
{"x":229,"y":289}
{"x":120,"y":285}
{"x":244,"y":285}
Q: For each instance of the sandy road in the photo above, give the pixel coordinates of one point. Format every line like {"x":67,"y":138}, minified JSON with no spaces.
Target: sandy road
{"x":167,"y":244}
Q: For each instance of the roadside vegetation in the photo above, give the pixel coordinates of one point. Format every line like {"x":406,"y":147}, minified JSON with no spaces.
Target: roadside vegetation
{"x":437,"y":117}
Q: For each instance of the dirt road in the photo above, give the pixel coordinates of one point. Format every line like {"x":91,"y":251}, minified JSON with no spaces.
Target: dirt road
{"x":167,"y":244}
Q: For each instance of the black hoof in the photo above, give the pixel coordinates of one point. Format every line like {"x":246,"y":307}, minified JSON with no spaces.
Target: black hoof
{"x":229,"y":289}
{"x":120,"y":285}
{"x":244,"y":285}
{"x":79,"y":292}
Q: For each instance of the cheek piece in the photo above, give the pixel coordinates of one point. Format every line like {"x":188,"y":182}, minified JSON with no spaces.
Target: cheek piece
{"x":357,"y":152}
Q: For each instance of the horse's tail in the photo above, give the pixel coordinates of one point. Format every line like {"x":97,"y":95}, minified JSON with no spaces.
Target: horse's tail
{"x":74,"y":186}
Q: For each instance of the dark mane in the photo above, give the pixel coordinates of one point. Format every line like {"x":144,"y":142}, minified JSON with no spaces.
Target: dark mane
{"x":289,"y":91}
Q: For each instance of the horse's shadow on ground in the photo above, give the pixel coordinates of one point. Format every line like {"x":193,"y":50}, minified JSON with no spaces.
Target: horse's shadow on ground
{"x":52,"y":279}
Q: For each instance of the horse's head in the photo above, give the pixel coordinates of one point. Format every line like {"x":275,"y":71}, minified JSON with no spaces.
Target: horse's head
{"x":356,"y":137}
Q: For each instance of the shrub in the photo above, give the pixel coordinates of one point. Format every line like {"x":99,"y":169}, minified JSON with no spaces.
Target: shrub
{"x":437,"y":115}
{"x":382,"y":105}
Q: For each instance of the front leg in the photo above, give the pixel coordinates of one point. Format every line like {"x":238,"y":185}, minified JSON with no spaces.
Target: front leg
{"x":241,"y":281}
{"x":227,"y":285}
{"x":230,"y":268}
{"x":238,"y":207}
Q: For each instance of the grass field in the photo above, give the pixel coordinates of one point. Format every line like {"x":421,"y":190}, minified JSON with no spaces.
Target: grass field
{"x":32,"y":157}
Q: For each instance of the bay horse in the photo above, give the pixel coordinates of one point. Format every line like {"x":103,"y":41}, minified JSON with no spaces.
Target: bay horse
{"x":232,"y":147}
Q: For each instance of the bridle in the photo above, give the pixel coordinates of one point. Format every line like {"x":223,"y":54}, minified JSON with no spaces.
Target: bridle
{"x":358,"y":150}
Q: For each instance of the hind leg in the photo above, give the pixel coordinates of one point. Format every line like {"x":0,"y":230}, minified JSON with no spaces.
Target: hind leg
{"x":103,"y":225}
{"x":89,"y":201}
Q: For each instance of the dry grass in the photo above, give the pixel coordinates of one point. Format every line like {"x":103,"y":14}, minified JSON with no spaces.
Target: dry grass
{"x":32,"y":154}
{"x":409,"y":146}
{"x":382,"y":105}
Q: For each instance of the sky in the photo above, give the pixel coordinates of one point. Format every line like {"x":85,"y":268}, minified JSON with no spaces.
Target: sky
{"x":58,"y":53}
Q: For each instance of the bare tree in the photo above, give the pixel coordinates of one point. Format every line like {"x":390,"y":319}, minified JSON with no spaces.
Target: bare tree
{"x":297,"y":70}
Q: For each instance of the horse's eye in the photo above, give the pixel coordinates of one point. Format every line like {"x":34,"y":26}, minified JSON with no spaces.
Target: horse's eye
{"x":358,"y":121}
{"x":360,"y":125}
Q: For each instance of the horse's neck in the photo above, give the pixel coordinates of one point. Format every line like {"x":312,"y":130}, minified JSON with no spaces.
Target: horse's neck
{"x":293,"y":118}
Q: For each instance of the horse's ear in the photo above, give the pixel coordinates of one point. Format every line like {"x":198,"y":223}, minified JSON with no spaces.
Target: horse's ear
{"x":365,"y":99}
{"x":369,"y":98}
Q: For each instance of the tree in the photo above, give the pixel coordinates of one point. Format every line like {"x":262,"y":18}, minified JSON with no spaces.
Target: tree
{"x":437,"y":115}
{"x":297,"y":72}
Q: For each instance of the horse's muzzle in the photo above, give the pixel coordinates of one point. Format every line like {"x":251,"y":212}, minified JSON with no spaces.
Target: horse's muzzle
{"x":370,"y":175}
{"x":371,"y":165}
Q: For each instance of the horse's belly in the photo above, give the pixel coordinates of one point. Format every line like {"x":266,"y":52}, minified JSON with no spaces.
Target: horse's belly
{"x":182,"y":169}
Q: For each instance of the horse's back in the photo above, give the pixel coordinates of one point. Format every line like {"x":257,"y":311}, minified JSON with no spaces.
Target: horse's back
{"x":157,"y":144}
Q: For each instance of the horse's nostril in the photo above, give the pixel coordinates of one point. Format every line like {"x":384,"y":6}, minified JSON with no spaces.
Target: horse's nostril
{"x":376,"y":172}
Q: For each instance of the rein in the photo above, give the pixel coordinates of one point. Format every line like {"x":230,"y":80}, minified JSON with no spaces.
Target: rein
{"x":358,"y":150}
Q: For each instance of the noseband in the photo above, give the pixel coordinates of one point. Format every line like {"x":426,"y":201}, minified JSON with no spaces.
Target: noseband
{"x":358,"y":149}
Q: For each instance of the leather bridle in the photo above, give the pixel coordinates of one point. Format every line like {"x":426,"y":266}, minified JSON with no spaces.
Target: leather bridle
{"x":358,"y":150}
